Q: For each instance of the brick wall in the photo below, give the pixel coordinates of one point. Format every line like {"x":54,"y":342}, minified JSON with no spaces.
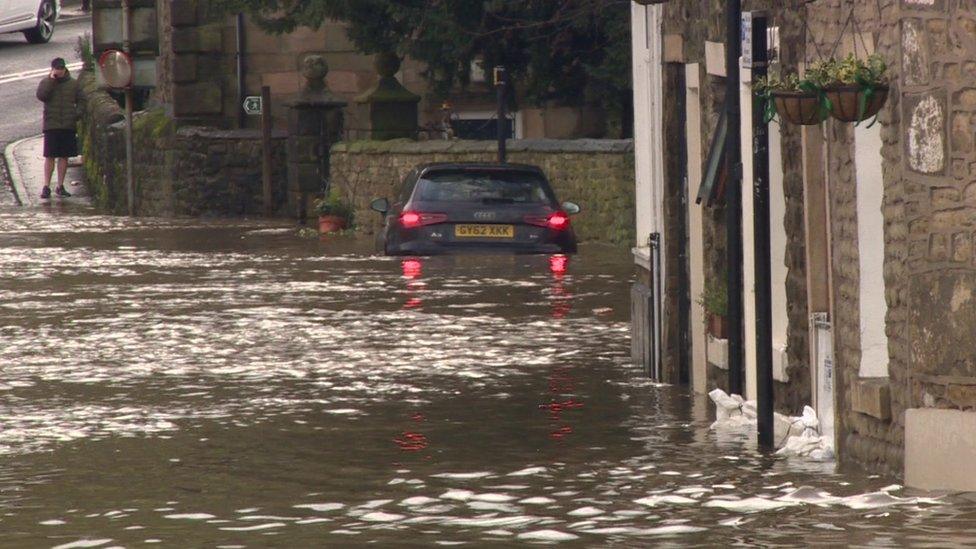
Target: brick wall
{"x":596,"y":174}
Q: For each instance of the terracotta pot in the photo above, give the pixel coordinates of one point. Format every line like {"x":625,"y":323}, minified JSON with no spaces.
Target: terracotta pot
{"x":716,"y":326}
{"x":844,"y":101}
{"x":331,"y":223}
{"x":801,"y":108}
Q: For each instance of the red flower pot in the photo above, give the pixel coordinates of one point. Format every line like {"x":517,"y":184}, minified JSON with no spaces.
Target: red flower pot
{"x":716,"y":326}
{"x":331,"y":224}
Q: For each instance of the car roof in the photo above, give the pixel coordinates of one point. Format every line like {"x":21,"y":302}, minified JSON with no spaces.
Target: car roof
{"x":479,"y":166}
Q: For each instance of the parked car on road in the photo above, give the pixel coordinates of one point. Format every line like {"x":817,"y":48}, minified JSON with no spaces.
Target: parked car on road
{"x":462,"y":207}
{"x":34,"y":18}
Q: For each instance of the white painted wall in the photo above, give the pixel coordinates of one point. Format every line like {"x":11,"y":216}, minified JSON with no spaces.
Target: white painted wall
{"x":777,"y":243}
{"x":870,"y":247}
{"x":696,"y":248}
{"x":748,"y":232}
{"x":648,"y":127}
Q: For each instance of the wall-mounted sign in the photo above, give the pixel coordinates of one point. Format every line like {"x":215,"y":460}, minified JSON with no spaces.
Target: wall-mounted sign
{"x":252,"y":104}
{"x":116,"y":68}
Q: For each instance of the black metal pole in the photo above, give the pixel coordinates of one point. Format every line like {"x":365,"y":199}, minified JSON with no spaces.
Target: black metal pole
{"x":760,"y":192}
{"x":501,"y":81}
{"x":733,"y":194}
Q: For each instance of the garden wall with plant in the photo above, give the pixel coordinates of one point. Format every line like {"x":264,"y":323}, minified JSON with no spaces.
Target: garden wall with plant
{"x":596,"y":174}
{"x":186,"y":171}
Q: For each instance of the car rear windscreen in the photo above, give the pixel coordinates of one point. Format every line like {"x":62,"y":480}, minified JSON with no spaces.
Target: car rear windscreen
{"x":489,"y":187}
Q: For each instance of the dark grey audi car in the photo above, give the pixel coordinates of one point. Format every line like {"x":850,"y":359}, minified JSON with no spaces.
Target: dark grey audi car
{"x":469,"y":207}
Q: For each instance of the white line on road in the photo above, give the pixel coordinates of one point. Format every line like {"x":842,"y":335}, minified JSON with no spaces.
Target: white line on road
{"x":17,"y":76}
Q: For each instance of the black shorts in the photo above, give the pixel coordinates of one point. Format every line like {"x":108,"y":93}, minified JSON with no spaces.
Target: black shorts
{"x":60,"y":144}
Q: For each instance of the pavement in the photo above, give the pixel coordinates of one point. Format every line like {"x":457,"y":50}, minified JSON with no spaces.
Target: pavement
{"x":25,"y":164}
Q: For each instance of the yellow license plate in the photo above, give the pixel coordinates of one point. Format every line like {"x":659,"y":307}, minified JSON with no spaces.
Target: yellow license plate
{"x":484,"y":231}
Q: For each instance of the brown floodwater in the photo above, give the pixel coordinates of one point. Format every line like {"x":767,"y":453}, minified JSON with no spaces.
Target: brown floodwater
{"x":216,"y":383}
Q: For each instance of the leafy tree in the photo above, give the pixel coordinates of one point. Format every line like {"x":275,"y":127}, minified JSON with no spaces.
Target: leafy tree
{"x":568,"y":51}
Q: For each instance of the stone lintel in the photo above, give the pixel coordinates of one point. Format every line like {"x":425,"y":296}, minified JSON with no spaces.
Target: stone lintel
{"x":872,"y":396}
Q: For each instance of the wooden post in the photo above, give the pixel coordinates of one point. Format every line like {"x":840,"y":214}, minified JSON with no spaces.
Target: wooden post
{"x":130,"y":186}
{"x":266,"y":148}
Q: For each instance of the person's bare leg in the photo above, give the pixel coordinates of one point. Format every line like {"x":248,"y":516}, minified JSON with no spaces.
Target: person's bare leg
{"x":62,"y":170}
{"x":48,"y":171}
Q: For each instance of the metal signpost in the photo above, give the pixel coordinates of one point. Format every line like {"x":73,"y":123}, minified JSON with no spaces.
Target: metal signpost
{"x":116,"y":68}
{"x":261,"y":105}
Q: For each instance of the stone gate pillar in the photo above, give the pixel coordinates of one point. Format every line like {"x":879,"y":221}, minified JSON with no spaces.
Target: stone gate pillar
{"x":314,"y":124}
{"x":392,"y":108}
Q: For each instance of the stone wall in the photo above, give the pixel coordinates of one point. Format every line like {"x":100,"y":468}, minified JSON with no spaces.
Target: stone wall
{"x":186,"y":171}
{"x":696,"y":23}
{"x":597,"y":174}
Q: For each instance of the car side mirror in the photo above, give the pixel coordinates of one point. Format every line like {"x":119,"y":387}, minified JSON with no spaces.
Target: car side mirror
{"x":381,"y":205}
{"x":571,"y":208}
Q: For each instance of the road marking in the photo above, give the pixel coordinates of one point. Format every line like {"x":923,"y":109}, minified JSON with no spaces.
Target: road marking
{"x":17,"y":76}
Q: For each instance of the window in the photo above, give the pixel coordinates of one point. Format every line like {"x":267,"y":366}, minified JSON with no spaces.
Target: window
{"x":484,"y":188}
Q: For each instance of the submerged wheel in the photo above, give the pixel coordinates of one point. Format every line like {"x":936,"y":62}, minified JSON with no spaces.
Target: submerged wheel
{"x":44,"y":30}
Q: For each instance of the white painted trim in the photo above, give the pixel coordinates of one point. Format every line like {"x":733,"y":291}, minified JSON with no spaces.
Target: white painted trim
{"x":696,"y":246}
{"x":777,"y":231}
{"x":642,"y":257}
{"x":778,"y":245}
{"x":870,"y":251}
{"x":748,"y":232}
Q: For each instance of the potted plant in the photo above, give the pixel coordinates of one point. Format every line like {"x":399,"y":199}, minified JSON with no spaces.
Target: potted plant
{"x":856,"y":89}
{"x":795,"y":100}
{"x":334,"y":214}
{"x":715,"y":300}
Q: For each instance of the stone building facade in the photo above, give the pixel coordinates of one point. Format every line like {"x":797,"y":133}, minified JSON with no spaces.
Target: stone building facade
{"x":199,"y":76}
{"x":879,"y":223}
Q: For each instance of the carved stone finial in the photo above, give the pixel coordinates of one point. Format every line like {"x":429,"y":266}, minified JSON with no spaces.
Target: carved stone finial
{"x":386,"y":64}
{"x":314,"y":69}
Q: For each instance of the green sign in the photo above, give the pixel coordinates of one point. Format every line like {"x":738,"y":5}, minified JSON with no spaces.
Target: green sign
{"x":252,"y":104}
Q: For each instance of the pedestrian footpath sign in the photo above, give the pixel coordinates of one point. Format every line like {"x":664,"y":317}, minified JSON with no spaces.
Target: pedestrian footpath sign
{"x":252,"y":104}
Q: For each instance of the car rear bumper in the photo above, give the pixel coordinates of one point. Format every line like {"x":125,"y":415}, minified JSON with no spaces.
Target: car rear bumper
{"x":426,"y":247}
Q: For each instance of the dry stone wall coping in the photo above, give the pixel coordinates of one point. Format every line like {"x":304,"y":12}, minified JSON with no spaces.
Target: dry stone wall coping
{"x":407,"y":146}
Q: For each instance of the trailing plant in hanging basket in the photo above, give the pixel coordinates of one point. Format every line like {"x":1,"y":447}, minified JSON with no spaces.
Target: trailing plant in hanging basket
{"x":856,"y":89}
{"x":794,"y":100}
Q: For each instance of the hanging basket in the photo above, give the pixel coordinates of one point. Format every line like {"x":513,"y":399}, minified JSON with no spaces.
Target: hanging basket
{"x":854,"y":103}
{"x":801,"y":108}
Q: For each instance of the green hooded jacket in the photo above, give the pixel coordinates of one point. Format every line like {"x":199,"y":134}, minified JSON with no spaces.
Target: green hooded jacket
{"x":62,"y":99}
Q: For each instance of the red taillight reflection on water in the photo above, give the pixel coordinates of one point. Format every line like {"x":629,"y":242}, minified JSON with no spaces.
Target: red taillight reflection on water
{"x":557,"y":264}
{"x":412,"y":268}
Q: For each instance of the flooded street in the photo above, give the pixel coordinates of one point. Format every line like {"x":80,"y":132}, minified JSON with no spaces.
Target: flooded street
{"x":229,"y":384}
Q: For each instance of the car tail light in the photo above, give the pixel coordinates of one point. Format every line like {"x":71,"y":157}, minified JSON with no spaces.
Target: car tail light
{"x":412,"y":220}
{"x":557,"y":221}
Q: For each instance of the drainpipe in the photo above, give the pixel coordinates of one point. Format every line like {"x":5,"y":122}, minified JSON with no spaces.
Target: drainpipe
{"x":733,"y":195}
{"x":239,"y":54}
